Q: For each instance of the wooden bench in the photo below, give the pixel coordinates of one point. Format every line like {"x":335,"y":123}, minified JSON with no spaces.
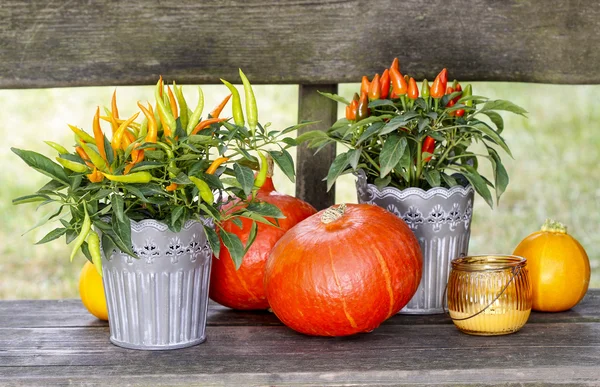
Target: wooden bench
{"x":316,"y":45}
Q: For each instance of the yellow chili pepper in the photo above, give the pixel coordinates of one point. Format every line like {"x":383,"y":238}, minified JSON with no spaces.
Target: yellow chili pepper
{"x":251,"y":108}
{"x":136,"y":177}
{"x":183,"y":108}
{"x":168,"y":120}
{"x":236,"y":104}
{"x":84,"y":156}
{"x":205,"y":192}
{"x":261,"y":176}
{"x":118,"y":136}
{"x":197,"y":112}
{"x":59,"y":148}
{"x":93,"y":241}
{"x":215,"y":164}
{"x":85,"y":229}
{"x":72,"y":165}
{"x":95,"y":158}
{"x":82,"y":135}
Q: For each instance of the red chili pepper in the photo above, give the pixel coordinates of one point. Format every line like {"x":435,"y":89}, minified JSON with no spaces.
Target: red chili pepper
{"x":375,"y":88}
{"x":395,"y":65}
{"x":428,"y":146}
{"x":385,"y":84}
{"x":364,"y":85}
{"x":363,"y":107}
{"x":449,"y":90}
{"x":398,"y":82}
{"x":444,"y":77}
{"x":413,"y":89}
{"x":457,"y":87}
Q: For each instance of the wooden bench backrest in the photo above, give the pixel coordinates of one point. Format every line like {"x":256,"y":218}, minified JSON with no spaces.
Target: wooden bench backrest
{"x":316,"y":44}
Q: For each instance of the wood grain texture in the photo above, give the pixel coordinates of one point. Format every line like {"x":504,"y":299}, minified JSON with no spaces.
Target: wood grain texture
{"x":75,"y":43}
{"x":312,"y":168}
{"x":253,"y":348}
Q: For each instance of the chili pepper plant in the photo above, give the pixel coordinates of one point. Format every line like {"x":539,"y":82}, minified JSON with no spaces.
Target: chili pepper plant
{"x":175,"y":165}
{"x":405,"y":137}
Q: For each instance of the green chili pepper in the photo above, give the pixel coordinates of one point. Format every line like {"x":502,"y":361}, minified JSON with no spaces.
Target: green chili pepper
{"x":59,"y":148}
{"x":136,"y":177}
{"x":160,"y":106}
{"x":236,"y":104}
{"x":363,"y":107}
{"x":183,"y":109}
{"x":467,"y":92}
{"x":425,"y":89}
{"x":85,"y":229}
{"x":82,"y":135}
{"x":144,"y":128}
{"x":261,"y":176}
{"x":195,"y":118}
{"x":93,"y":242}
{"x":95,"y":157}
{"x":72,"y":165}
{"x":251,"y":108}
{"x":205,"y":192}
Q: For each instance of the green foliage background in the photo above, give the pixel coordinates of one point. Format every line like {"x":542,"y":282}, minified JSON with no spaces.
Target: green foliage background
{"x":554,"y":172}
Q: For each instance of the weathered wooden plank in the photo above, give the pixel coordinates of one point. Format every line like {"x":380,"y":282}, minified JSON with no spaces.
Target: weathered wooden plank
{"x":71,"y":313}
{"x":312,"y":168}
{"x":66,"y":43}
{"x":258,"y":353}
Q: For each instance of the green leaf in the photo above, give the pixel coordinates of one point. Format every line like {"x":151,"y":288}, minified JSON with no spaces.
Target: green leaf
{"x":117,"y":205}
{"x":289,"y":141}
{"x":495,"y":137}
{"x":256,"y":217}
{"x":496,"y":119}
{"x":391,"y":153}
{"x":52,"y":235}
{"x":503,"y":105}
{"x":251,"y":237}
{"x":367,"y":121}
{"x":235,"y":247}
{"x":383,"y":182}
{"x":285,"y":162}
{"x":213,"y":240}
{"x":202,"y":140}
{"x":30,"y":199}
{"x":354,"y":157}
{"x":176,"y":215}
{"x":403,"y":166}
{"x":370,"y":132}
{"x":335,"y":97}
{"x":52,"y":186}
{"x":312,"y":136}
{"x":297,"y":126}
{"x":146,"y":165}
{"x":478,"y":183}
{"x":336,"y":169}
{"x":45,"y":219}
{"x":432,"y":177}
{"x":181,"y":179}
{"x":237,"y":222}
{"x":500,"y":175}
{"x":42,"y":164}
{"x":245,"y":177}
{"x":108,"y":245}
{"x":381,"y":102}
{"x":121,"y":234}
{"x":265,"y":209}
{"x":450,"y":181}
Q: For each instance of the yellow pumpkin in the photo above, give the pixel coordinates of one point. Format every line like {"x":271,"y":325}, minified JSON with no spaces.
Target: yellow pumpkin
{"x":558,"y":265}
{"x":91,"y":291}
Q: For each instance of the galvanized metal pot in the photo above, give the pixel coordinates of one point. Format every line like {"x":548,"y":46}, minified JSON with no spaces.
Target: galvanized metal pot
{"x":440,"y":219}
{"x":160,"y":300}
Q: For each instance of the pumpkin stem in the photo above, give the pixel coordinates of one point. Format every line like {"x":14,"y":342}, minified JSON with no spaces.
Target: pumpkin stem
{"x":333,"y":213}
{"x":554,"y":226}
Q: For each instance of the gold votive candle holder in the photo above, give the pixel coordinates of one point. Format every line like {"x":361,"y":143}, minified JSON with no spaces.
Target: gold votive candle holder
{"x":489,"y":295}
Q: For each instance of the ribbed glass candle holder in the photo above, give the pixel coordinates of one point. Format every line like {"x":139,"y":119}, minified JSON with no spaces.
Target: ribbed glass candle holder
{"x":489,"y":295}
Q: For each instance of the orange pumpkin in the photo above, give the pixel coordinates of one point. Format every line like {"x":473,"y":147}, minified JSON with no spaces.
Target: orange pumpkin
{"x":559,"y":268}
{"x":244,"y":288}
{"x":343,"y":270}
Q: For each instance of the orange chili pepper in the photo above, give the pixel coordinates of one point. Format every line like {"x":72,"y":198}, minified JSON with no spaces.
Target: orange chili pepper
{"x":399,"y":83}
{"x":115,"y":112}
{"x":171,"y":187}
{"x":96,"y":176}
{"x":128,"y":168}
{"x":395,"y":65}
{"x":413,"y":89}
{"x":215,"y":164}
{"x":84,"y":156}
{"x":364,"y":85}
{"x":151,"y":135}
{"x":375,"y":88}
{"x":204,"y":124}
{"x":162,"y":86}
{"x":385,"y":84}
{"x":173,"y":103}
{"x":98,"y":135}
{"x":217,"y":111}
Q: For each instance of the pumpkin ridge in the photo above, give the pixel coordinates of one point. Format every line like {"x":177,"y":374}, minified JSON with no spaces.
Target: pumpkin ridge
{"x":388,"y":284}
{"x":342,"y":298}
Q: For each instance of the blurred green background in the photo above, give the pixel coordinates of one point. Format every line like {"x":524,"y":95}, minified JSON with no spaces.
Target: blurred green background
{"x":554,"y":172}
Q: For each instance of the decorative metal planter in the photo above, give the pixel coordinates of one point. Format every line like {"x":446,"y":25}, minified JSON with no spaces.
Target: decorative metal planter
{"x":441,"y":221}
{"x":160,"y":300}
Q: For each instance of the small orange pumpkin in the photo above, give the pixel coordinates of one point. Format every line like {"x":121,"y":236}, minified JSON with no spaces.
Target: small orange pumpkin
{"x":343,"y":271}
{"x":559,"y":267}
